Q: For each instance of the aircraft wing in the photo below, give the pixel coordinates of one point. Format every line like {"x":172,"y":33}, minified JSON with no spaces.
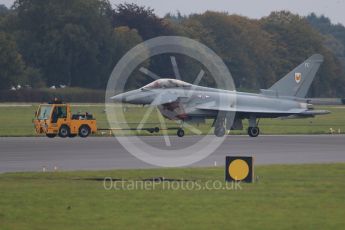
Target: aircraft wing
{"x":315,"y":112}
{"x":244,"y":109}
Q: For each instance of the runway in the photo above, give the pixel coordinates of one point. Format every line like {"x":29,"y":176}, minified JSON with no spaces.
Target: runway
{"x":100,"y":153}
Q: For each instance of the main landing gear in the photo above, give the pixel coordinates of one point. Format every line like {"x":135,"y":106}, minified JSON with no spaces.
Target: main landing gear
{"x":219,"y":129}
{"x":253,"y":129}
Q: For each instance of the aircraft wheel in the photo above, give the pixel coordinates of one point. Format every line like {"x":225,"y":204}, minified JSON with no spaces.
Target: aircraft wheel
{"x":253,"y":131}
{"x":84,"y":131}
{"x":50,"y":135}
{"x":219,"y":131}
{"x":64,"y":131}
{"x":180,"y":132}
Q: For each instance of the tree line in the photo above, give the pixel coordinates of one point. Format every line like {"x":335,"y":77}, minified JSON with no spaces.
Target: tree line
{"x":78,"y":42}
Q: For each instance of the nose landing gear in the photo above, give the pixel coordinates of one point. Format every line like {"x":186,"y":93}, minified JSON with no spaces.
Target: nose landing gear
{"x":180,"y":132}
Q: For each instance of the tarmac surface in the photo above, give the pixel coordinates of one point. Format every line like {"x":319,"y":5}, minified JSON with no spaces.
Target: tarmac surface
{"x":100,"y":153}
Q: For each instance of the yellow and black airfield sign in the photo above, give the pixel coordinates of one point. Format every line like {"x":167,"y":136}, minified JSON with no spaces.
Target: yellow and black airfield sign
{"x":238,"y":168}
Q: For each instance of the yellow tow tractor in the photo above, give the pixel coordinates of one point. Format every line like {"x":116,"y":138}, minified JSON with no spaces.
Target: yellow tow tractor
{"x":56,"y":118}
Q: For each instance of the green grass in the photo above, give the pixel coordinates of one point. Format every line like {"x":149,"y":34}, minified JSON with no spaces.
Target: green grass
{"x":284,"y":197}
{"x":17,"y":121}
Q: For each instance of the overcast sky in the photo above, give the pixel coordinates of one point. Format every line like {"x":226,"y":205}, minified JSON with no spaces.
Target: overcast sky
{"x":334,"y":9}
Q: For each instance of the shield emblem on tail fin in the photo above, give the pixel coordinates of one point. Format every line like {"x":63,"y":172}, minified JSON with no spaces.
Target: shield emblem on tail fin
{"x":298,"y":77}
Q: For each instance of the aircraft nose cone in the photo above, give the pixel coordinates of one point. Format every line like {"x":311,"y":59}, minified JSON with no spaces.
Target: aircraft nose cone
{"x":132,"y":97}
{"x":119,"y":98}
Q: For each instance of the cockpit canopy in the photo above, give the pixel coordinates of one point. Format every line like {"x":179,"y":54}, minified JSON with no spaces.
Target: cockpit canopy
{"x":167,"y":83}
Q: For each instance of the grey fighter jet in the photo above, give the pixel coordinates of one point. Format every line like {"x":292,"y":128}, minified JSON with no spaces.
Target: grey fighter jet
{"x":179,"y":100}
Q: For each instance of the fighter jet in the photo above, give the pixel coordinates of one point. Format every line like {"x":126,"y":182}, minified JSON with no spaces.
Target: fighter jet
{"x":179,"y":100}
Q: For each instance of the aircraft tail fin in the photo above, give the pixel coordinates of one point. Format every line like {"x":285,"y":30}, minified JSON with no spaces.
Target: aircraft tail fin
{"x":298,"y":81}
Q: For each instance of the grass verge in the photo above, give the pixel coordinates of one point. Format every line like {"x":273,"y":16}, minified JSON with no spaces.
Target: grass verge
{"x":17,"y":121}
{"x":284,"y":197}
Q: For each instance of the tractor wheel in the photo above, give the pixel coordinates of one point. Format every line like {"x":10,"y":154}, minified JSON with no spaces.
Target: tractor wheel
{"x":64,"y":131}
{"x":84,"y":131}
